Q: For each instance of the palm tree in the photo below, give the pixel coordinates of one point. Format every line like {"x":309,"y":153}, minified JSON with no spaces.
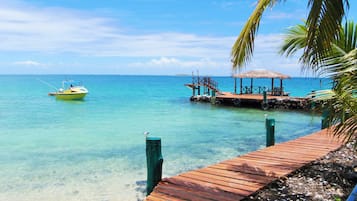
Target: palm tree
{"x":323,"y":52}
{"x":340,"y":64}
{"x":324,"y":19}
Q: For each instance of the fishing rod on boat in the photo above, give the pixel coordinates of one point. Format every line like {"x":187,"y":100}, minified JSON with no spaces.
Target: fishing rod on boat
{"x":48,"y":84}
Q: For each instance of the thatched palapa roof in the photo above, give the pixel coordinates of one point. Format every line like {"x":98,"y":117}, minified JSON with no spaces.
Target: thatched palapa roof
{"x":261,"y":73}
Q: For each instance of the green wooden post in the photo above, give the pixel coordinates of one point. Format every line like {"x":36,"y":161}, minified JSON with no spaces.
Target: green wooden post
{"x":154,"y":163}
{"x":265,"y":104}
{"x":324,"y":119}
{"x":264,"y":96}
{"x":324,"y":123}
{"x":270,"y":129}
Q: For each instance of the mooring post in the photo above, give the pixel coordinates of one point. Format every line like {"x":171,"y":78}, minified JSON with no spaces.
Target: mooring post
{"x":264,"y":96}
{"x":324,"y":119}
{"x":265,"y":104}
{"x":154,"y":162}
{"x":324,"y":123}
{"x":270,"y":129}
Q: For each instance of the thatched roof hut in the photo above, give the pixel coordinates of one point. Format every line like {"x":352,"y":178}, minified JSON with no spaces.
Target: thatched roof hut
{"x":261,"y":73}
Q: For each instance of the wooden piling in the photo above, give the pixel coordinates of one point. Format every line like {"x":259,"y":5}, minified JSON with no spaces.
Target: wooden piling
{"x":270,"y":130}
{"x":324,"y":119}
{"x":154,"y":162}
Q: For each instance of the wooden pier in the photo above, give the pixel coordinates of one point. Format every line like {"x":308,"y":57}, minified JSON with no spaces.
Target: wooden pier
{"x":257,"y":100}
{"x":240,"y":177}
{"x":258,"y":97}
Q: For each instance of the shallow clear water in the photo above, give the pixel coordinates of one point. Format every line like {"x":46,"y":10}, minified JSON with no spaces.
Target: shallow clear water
{"x":95,"y":149}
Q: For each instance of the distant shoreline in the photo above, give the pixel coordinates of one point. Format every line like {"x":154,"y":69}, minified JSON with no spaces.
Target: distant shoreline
{"x":147,"y":75}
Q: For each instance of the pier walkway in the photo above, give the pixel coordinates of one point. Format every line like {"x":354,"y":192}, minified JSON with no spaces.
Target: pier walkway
{"x":242,"y":176}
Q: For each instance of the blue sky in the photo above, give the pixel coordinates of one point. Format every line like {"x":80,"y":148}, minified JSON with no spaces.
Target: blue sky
{"x":154,"y":37}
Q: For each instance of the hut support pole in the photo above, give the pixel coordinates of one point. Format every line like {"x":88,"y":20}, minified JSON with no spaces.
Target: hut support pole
{"x":235,"y":85}
{"x":281,"y":87}
{"x":241,"y":87}
{"x":272,"y":86}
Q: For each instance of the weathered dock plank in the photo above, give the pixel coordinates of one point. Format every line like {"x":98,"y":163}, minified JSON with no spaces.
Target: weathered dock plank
{"x":239,"y":177}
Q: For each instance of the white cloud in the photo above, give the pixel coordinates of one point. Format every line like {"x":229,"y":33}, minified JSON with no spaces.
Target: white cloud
{"x":280,"y":15}
{"x":27,"y":63}
{"x":296,"y":14}
{"x":174,"y":62}
{"x":58,"y":30}
{"x":265,"y":56}
{"x":163,"y":61}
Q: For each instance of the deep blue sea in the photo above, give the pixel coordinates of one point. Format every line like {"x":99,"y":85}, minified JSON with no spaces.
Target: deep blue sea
{"x":95,"y":149}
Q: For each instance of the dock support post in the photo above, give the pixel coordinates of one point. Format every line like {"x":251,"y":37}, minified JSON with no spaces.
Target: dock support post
{"x":270,"y":129}
{"x":324,"y":119}
{"x":154,"y":162}
{"x":265,"y":97}
{"x":265,"y":104}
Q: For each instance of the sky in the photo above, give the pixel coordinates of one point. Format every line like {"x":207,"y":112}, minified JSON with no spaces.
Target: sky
{"x":141,"y":37}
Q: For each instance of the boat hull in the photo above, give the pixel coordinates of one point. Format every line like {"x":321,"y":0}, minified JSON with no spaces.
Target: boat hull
{"x":69,"y":96}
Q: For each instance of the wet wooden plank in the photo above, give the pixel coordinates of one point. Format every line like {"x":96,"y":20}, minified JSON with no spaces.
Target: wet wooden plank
{"x":234,"y":180}
{"x":252,"y":166}
{"x":263,"y":163}
{"x":218,"y":184}
{"x":180,"y":193}
{"x":242,"y":176}
{"x":203,"y":195}
{"x":221,"y":181}
{"x":305,"y":146}
{"x":247,"y":169}
{"x":263,"y":160}
{"x":225,"y":195}
{"x":157,"y":196}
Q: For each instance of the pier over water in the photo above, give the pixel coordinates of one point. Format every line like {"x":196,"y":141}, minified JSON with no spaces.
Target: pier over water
{"x":205,"y":89}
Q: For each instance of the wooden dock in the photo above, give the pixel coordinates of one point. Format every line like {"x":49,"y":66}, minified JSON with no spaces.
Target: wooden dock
{"x":258,"y":97}
{"x":240,"y":177}
{"x":257,"y":100}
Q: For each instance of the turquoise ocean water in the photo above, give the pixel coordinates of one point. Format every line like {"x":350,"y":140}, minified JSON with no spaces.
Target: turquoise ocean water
{"x":95,"y":149}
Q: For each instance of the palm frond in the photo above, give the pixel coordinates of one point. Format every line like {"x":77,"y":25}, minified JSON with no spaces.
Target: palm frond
{"x":324,"y":23}
{"x":322,"y":95}
{"x":294,"y":40}
{"x":338,"y":63}
{"x":242,"y":49}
